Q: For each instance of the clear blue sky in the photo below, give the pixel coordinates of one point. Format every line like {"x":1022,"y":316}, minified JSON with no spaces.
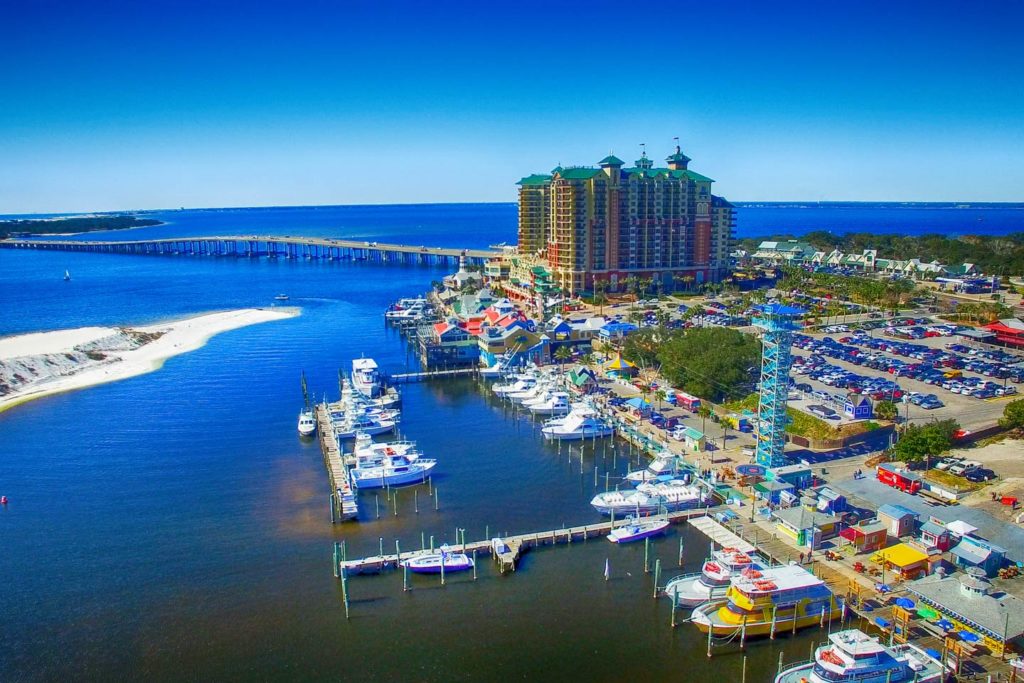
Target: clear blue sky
{"x":163,"y":104}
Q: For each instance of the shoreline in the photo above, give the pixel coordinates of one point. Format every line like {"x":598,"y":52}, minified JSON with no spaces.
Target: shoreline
{"x":162,"y":341}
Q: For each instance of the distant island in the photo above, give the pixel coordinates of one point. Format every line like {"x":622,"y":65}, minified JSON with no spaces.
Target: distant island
{"x":989,"y":253}
{"x":72,"y":224}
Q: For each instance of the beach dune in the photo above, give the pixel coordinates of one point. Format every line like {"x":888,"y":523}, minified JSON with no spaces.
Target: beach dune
{"x":45,"y":363}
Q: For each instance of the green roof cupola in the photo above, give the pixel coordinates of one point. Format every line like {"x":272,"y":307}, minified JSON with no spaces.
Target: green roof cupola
{"x":643,"y":162}
{"x":677,"y":161}
{"x":610,"y":160}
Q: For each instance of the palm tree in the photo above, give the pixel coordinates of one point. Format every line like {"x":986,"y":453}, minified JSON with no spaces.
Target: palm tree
{"x":704,"y":413}
{"x":659,"y":396}
{"x":562,"y":354}
{"x":600,"y":287}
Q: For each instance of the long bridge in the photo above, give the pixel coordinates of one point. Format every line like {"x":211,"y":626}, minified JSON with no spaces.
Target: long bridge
{"x":270,"y":246}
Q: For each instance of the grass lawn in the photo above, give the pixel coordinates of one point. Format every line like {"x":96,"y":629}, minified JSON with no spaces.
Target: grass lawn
{"x":806,"y":425}
{"x":951,"y":481}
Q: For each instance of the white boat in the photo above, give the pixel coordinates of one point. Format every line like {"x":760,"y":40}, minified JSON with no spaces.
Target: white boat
{"x":552,"y":403}
{"x":388,"y":397}
{"x":638,"y":529}
{"x":365,"y":377}
{"x":660,"y":466}
{"x":431,"y":563}
{"x":413,"y":312}
{"x":395,"y":470}
{"x":520,"y":383}
{"x":648,"y":499}
{"x":67,"y":275}
{"x":367,"y":451}
{"x":307,"y":423}
{"x":712,"y":582}
{"x":352,"y":425}
{"x":281,"y":297}
{"x":854,"y":656}
{"x":583,"y":422}
{"x":531,"y":394}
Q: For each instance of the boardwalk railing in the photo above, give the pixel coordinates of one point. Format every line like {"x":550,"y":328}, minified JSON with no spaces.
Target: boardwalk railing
{"x":270,"y":246}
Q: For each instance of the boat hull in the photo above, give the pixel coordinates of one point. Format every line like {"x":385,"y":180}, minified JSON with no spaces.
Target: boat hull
{"x":692,"y":592}
{"x":761,"y":624}
{"x":579,"y":435}
{"x":415,"y":475}
{"x":431,"y":564}
{"x":637,"y":534}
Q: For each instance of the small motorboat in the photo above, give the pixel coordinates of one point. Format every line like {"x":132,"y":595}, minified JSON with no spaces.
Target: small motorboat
{"x":637,"y":530}
{"x":281,"y":297}
{"x":307,"y":424}
{"x":67,"y":275}
{"x":431,"y":563}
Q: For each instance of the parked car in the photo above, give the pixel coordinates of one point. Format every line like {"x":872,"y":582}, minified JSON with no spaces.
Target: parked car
{"x":980,"y":474}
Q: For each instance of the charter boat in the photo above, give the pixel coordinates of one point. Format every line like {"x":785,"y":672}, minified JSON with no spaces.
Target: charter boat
{"x":783,"y":598}
{"x":552,"y":403}
{"x":533,"y":393}
{"x":583,"y":422}
{"x":854,"y":656}
{"x":431,"y":563}
{"x":387,"y":397}
{"x":392,"y":470}
{"x":648,"y":501}
{"x":638,"y":529}
{"x":660,"y":466}
{"x":367,"y":451}
{"x":414,"y":312}
{"x":365,"y":377}
{"x":713,"y":580}
{"x":307,"y":423}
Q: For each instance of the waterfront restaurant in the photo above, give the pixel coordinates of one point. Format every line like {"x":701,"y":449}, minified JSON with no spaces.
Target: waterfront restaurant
{"x":971,"y":604}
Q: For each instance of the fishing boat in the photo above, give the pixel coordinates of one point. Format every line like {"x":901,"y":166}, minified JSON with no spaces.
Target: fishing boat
{"x":67,"y":275}
{"x":387,"y":397}
{"x":413,"y":312}
{"x":281,"y":297}
{"x":392,"y":470}
{"x":532,"y":394}
{"x":713,"y":579}
{"x":854,"y":656}
{"x":431,"y":563}
{"x":307,"y":423}
{"x":551,"y":403}
{"x":368,"y":452}
{"x":354,"y":424}
{"x":660,"y":466}
{"x":583,"y":422}
{"x":783,"y":598}
{"x":637,"y":530}
{"x":519,"y":383}
{"x":365,"y":377}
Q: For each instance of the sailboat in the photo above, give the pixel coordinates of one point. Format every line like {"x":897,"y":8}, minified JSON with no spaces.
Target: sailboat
{"x":67,"y":275}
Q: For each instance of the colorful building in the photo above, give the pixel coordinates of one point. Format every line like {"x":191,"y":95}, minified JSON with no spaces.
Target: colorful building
{"x":806,"y":527}
{"x":898,"y":520}
{"x":445,"y":344}
{"x":611,"y":223}
{"x":867,"y":536}
{"x":904,"y":560}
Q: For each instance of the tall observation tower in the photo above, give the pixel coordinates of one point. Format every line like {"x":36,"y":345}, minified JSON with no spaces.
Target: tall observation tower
{"x":778,"y":323}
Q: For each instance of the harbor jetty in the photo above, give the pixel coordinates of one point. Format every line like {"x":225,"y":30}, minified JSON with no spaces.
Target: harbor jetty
{"x":269,"y":246}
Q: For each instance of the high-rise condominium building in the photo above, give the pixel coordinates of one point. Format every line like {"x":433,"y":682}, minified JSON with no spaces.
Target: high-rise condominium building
{"x":612,"y":223}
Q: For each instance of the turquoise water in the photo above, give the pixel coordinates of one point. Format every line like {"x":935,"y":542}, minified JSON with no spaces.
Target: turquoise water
{"x":173,"y":526}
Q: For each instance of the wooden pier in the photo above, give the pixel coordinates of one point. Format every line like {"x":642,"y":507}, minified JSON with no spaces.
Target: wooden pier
{"x":343,"y":499}
{"x":408,"y":377}
{"x":517,"y":544}
{"x":269,"y":246}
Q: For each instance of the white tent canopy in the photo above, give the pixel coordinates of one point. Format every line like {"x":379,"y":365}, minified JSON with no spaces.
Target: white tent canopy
{"x":961,"y":528}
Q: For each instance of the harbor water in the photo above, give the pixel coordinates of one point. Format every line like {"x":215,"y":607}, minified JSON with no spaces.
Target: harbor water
{"x":174,"y":526}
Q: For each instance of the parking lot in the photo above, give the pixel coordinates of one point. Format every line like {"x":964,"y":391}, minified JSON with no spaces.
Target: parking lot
{"x":887,"y":368}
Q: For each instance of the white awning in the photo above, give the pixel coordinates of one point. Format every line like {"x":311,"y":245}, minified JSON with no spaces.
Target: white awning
{"x":961,"y":528}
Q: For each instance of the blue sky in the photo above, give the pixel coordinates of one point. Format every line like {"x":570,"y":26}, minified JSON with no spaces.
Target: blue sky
{"x":112,"y":105}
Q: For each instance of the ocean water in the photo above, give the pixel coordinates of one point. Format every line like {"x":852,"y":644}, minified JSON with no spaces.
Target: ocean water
{"x":174,"y":526}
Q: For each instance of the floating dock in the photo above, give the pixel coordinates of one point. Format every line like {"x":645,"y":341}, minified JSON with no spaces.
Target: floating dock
{"x":343,"y":499}
{"x":720,"y":535}
{"x":517,"y":544}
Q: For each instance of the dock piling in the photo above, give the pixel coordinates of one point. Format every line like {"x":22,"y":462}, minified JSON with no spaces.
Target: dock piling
{"x":657,"y":575}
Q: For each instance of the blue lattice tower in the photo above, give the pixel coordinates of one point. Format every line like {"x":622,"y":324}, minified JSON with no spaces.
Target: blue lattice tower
{"x":778,"y":323}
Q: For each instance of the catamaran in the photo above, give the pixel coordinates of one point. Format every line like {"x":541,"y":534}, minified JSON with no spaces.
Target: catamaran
{"x":854,"y":656}
{"x":648,"y":501}
{"x":712,"y":582}
{"x":432,"y":562}
{"x":365,"y":377}
{"x":781,"y":598}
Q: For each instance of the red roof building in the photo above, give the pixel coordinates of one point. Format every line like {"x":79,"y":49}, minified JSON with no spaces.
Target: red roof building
{"x":1008,"y":331}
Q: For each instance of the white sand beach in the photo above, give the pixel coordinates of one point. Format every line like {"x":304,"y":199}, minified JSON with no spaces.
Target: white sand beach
{"x":45,"y":363}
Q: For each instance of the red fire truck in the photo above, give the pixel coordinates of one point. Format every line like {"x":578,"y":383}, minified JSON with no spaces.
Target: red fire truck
{"x":904,"y":480}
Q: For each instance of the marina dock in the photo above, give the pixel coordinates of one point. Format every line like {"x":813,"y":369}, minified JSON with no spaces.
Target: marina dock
{"x":343,"y":500}
{"x":517,"y":543}
{"x":269,"y":246}
{"x":408,"y":377}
